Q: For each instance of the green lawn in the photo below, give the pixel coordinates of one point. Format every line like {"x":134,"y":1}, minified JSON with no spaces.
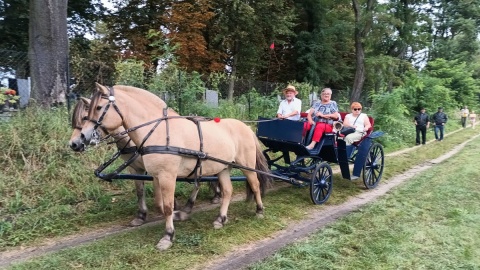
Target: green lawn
{"x":431,"y":222}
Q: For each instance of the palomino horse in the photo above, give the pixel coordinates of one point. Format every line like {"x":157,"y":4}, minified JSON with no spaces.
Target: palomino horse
{"x":174,"y":146}
{"x":127,"y":149}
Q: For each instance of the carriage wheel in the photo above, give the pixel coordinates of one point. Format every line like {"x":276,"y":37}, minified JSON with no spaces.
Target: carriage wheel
{"x":373,"y":168}
{"x":321,"y":184}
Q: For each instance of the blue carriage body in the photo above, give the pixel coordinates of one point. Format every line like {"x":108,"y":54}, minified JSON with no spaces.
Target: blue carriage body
{"x":285,"y":136}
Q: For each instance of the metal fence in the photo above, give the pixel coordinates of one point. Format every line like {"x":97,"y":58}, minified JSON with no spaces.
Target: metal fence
{"x":82,"y":74}
{"x":14,"y":74}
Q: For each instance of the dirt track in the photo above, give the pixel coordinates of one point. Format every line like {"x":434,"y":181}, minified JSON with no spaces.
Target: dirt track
{"x":248,"y":253}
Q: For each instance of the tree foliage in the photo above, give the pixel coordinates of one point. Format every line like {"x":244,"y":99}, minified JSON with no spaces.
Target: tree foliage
{"x":360,"y":48}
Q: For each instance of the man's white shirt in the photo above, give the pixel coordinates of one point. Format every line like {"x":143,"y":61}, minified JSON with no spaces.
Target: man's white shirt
{"x":286,"y":108}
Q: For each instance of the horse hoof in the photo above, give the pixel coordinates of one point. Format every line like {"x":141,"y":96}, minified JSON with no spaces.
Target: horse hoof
{"x":217,"y":225}
{"x":215,"y":200}
{"x":137,"y":222}
{"x":164,"y":244}
{"x":180,"y":216}
{"x":260,"y":215}
{"x":220,"y":222}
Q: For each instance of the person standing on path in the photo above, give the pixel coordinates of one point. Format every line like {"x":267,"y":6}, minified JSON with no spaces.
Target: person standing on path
{"x":422,"y":123}
{"x":440,"y":119}
{"x":473,"y":119}
{"x":464,"y":114}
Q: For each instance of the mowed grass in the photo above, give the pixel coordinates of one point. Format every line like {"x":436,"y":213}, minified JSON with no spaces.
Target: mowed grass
{"x":430,"y":222}
{"x":373,"y":232}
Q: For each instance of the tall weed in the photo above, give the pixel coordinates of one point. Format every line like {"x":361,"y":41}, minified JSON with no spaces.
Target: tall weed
{"x":40,"y":173}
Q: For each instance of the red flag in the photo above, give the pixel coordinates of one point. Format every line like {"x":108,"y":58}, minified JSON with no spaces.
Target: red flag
{"x":272,"y":46}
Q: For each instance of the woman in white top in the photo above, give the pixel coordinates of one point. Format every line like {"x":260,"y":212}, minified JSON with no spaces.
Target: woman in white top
{"x":473,"y":118}
{"x":357,"y":120}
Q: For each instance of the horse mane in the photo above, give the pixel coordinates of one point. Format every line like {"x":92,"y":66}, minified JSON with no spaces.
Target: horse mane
{"x":94,"y":102}
{"x":77,"y":114}
{"x":131,"y":89}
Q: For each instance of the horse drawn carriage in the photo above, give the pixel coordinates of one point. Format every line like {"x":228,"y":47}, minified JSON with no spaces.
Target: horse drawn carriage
{"x":284,"y":142}
{"x":174,"y":148}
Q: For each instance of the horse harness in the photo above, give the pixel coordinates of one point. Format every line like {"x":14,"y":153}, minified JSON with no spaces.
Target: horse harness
{"x":157,"y":149}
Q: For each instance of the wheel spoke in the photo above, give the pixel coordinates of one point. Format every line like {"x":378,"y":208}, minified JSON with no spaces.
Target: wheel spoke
{"x":321,"y":183}
{"x":373,"y":168}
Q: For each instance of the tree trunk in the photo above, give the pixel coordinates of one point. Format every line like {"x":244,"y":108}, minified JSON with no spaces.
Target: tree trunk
{"x":359,"y":79}
{"x":231,"y":83}
{"x":48,"y":51}
{"x":360,"y":33}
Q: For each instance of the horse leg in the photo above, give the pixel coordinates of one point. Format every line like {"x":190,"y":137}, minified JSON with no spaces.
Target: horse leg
{"x":184,"y":214}
{"x":164,"y":200}
{"x":215,"y":187}
{"x":187,"y":209}
{"x":254,"y":184}
{"x":191,"y":200}
{"x":141,"y":215}
{"x":226,"y":184}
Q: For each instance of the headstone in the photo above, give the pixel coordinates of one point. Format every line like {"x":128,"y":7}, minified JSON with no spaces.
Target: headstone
{"x":312,"y":97}
{"x":24,"y":91}
{"x":211,"y":98}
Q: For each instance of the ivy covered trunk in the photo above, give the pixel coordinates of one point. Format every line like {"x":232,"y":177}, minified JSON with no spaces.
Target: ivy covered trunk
{"x":48,"y":51}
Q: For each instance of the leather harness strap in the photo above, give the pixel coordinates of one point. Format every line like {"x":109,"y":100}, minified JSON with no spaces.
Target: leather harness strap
{"x":164,"y":149}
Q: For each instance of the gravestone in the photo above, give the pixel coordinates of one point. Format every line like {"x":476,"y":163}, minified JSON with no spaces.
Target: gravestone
{"x":312,"y":97}
{"x":23,"y":91}
{"x":211,"y":98}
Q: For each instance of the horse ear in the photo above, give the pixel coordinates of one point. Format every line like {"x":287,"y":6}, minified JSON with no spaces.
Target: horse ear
{"x":102,"y":89}
{"x":85,"y":101}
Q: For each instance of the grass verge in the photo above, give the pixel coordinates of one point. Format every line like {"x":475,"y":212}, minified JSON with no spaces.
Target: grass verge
{"x":431,"y":222}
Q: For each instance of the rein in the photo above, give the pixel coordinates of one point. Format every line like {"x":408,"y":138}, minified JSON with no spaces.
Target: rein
{"x":141,"y":149}
{"x":166,"y":149}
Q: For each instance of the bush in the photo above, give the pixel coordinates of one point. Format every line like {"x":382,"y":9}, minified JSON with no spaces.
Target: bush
{"x":392,"y":117}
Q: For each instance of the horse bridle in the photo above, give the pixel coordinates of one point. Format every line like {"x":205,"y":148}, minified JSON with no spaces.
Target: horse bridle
{"x":111,"y":102}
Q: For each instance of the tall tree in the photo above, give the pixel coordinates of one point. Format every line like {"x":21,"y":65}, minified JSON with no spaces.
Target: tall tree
{"x":48,"y":50}
{"x":363,"y":24}
{"x":188,"y":31}
{"x":14,"y":25}
{"x":130,"y":24}
{"x":456,"y":29}
{"x":245,"y":29}
{"x":399,"y":39}
{"x":41,"y":27}
{"x":324,"y":45}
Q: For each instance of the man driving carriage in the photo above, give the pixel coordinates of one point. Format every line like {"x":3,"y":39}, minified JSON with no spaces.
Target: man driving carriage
{"x":325,"y":111}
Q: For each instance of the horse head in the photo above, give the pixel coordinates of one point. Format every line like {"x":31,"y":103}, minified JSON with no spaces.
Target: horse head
{"x":80,"y":112}
{"x":110,"y":105}
{"x":103,"y":115}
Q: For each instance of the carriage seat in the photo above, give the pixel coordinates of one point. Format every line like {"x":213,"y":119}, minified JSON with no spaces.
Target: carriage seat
{"x":372,"y":121}
{"x":308,"y":137}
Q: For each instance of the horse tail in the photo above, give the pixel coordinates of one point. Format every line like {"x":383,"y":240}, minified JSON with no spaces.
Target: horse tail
{"x":261,"y":164}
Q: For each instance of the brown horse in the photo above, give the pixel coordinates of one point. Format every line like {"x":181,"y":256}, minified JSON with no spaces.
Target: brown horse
{"x":174,"y":146}
{"x":127,"y":148}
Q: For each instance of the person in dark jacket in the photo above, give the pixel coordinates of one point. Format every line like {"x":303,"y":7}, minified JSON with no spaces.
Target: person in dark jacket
{"x":422,"y":122}
{"x":440,"y":119}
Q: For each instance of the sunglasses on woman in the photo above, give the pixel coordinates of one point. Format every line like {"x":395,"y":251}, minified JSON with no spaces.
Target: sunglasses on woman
{"x":357,"y":109}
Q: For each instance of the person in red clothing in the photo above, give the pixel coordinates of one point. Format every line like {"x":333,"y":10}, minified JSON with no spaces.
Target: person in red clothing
{"x":325,"y":112}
